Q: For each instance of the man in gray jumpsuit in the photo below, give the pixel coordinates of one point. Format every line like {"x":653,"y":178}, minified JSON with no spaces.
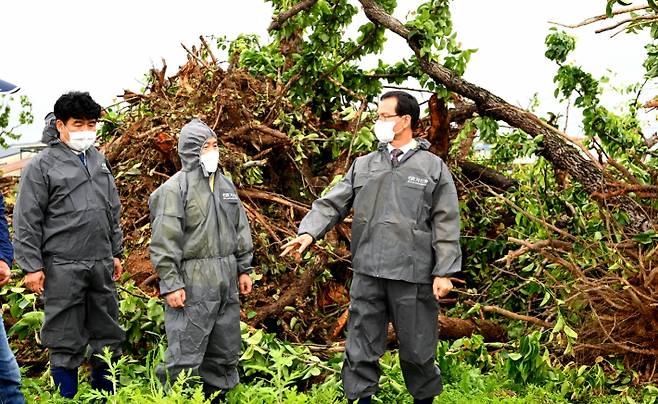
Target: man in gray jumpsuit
{"x":68,"y":241}
{"x":405,"y":244}
{"x":201,"y":248}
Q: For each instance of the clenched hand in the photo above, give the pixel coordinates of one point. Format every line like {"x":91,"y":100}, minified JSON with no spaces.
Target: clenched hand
{"x":244,"y":281}
{"x":176,"y":299}
{"x":5,"y":273}
{"x":118,"y":269}
{"x":34,"y":281}
{"x":441,"y":287}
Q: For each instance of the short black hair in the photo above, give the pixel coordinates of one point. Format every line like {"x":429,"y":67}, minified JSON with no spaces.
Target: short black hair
{"x":76,"y":105}
{"x":406,"y":105}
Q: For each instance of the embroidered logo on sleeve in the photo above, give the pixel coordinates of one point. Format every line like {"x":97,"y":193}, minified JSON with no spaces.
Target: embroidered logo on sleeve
{"x":417,"y":181}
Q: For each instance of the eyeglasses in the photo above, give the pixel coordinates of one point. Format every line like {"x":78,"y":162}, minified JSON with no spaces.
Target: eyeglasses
{"x":384,"y":117}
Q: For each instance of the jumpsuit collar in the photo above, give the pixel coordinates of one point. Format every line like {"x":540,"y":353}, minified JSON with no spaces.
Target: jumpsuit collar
{"x":421,"y":144}
{"x":409,"y":146}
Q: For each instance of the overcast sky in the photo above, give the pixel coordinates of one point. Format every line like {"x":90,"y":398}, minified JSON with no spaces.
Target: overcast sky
{"x":51,"y":47}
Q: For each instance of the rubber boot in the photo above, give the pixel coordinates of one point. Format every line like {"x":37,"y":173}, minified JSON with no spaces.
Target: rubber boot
{"x":66,"y":381}
{"x":209,"y":390}
{"x":424,"y":401}
{"x":100,"y":379}
{"x":362,"y":400}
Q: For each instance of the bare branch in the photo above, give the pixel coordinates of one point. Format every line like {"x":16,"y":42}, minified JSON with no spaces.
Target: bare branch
{"x":602,"y":17}
{"x":643,"y":18}
{"x":418,"y":90}
{"x":512,"y":315}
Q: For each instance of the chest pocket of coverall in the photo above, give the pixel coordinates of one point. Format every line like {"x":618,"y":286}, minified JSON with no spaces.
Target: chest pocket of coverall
{"x":412,"y":196}
{"x":69,"y":191}
{"x":194,"y":212}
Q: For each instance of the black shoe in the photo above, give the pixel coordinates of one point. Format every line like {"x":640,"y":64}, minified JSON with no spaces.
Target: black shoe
{"x":424,"y":401}
{"x":362,"y":400}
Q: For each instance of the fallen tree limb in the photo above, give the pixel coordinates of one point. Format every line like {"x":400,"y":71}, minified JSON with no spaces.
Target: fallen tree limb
{"x":531,"y":216}
{"x":296,"y":290}
{"x":257,"y":217}
{"x":561,"y":245}
{"x":340,"y":325}
{"x":554,"y":144}
{"x":486,"y":175}
{"x":617,"y":348}
{"x":577,"y":272}
{"x":515,"y":316}
{"x":277,"y":136}
{"x":451,"y":328}
{"x":462,"y":112}
{"x":267,"y":196}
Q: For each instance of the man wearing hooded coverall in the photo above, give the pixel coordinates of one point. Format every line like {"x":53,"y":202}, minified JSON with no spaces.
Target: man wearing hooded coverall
{"x":68,"y":240}
{"x":201,"y":248}
{"x":405,"y":244}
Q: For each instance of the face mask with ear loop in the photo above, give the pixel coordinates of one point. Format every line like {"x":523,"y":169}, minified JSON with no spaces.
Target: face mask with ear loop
{"x":384,"y":131}
{"x":82,"y":140}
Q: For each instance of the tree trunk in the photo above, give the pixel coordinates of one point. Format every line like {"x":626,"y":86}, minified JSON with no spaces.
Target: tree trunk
{"x":439,"y":133}
{"x":454,"y":328}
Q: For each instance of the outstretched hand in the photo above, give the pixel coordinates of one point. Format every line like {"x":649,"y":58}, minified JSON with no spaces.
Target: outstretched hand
{"x":300,"y":243}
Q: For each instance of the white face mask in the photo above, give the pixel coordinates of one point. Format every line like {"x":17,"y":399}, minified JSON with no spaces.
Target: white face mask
{"x":80,"y":141}
{"x":384,"y":131}
{"x":209,"y":161}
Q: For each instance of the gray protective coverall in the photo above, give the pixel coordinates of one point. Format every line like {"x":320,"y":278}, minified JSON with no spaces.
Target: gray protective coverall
{"x":405,"y":231}
{"x":66,"y":223}
{"x":201,"y":242}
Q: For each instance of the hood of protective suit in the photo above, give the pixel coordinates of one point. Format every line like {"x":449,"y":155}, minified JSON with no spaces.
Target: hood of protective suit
{"x":191,"y":139}
{"x":50,"y":134}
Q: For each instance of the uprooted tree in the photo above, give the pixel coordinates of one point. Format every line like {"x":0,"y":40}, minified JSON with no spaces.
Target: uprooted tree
{"x":291,"y":116}
{"x":565,"y":242}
